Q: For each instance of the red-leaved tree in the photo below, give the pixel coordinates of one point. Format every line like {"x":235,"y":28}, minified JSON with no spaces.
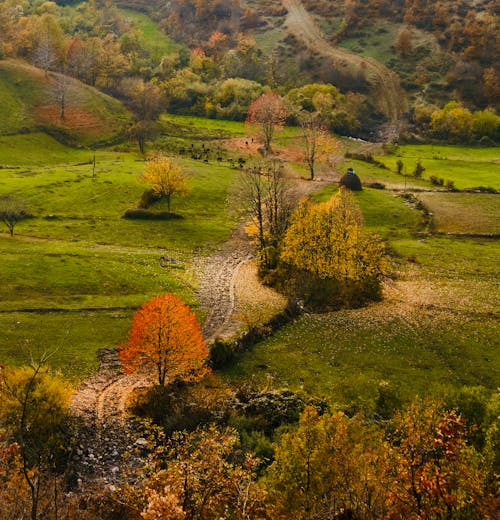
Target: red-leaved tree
{"x":165,"y":337}
{"x":267,"y":113}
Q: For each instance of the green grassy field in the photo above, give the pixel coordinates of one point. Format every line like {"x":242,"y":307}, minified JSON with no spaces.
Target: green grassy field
{"x":78,"y":263}
{"x":467,"y":167}
{"x":38,"y":149}
{"x":156,"y":42}
{"x":437,"y":328}
{"x":470,"y":213}
{"x":437,"y":331}
{"x":72,"y":275}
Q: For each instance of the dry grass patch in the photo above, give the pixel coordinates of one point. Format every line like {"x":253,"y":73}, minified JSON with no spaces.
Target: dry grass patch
{"x":467,"y":213}
{"x":256,"y":303}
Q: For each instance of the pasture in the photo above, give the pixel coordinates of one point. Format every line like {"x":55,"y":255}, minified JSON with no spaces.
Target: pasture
{"x":78,"y":263}
{"x":72,"y":275}
{"x":467,"y":167}
{"x":436,"y":330}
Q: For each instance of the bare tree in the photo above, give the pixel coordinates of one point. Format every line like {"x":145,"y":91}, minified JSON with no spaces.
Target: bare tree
{"x":61,"y":87}
{"x":269,"y":198}
{"x":44,"y":55}
{"x":316,"y":139}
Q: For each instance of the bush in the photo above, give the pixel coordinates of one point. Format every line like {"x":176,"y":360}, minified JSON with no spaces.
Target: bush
{"x":221,"y":353}
{"x":175,"y":407}
{"x":148,"y":198}
{"x":144,"y":214}
{"x":376,"y":185}
{"x":436,"y":181}
{"x":321,"y":294}
{"x":365,"y":157}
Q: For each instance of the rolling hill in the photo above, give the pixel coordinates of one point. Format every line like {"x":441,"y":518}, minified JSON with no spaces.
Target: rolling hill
{"x":32,"y":101}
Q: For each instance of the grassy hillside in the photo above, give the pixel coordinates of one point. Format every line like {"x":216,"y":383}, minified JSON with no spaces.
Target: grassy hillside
{"x":30,"y":101}
{"x":155,"y":41}
{"x":72,"y":275}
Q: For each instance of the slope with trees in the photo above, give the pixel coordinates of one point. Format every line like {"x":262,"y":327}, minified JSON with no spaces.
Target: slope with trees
{"x":31,"y":101}
{"x":389,"y":96}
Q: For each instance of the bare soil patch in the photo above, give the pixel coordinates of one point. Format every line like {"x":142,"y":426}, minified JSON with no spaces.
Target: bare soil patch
{"x":75,"y":118}
{"x":255,"y":303}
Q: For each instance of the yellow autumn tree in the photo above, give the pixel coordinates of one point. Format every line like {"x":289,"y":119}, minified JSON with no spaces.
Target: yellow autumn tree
{"x":329,"y":250}
{"x":165,"y":177}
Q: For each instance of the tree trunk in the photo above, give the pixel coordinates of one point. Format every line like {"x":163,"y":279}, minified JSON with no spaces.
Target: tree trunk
{"x":63,"y":104}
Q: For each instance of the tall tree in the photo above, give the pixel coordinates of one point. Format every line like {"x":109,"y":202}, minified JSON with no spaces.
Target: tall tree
{"x":267,"y":113}
{"x":165,"y":177}
{"x":165,"y":337}
{"x":330,"y":257}
{"x":267,"y":194}
{"x":316,"y":139}
{"x":330,"y":467}
{"x":328,"y":240}
{"x":33,"y":413}
{"x":202,"y":478}
{"x":437,"y":474}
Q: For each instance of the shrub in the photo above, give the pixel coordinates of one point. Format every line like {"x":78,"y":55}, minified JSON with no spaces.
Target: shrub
{"x":178,"y":406}
{"x":436,"y":181}
{"x":376,"y":185}
{"x":148,"y":198}
{"x":221,"y":353}
{"x":144,"y":214}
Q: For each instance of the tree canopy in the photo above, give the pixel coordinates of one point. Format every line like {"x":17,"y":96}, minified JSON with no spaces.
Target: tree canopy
{"x":165,"y":177}
{"x":267,"y":113}
{"x":326,"y":242}
{"x":165,"y":338}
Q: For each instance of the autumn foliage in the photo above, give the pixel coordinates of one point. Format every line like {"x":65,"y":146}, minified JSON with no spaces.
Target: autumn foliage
{"x":267,"y":113}
{"x":165,"y":177}
{"x":330,"y":252}
{"x":165,"y":337}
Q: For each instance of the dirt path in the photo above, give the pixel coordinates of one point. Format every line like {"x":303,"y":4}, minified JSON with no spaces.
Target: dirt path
{"x":108,"y":433}
{"x":389,"y":96}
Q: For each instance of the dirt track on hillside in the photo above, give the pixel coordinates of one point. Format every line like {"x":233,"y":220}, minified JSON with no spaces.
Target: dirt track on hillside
{"x":388,"y":94}
{"x":101,"y":402}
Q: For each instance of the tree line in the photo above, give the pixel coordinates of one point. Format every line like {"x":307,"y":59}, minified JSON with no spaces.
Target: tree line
{"x":430,"y":459}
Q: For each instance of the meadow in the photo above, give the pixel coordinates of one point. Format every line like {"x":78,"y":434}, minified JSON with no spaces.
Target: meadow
{"x":72,"y":275}
{"x":437,"y":328}
{"x":467,"y":167}
{"x":78,"y":263}
{"x":435,"y":331}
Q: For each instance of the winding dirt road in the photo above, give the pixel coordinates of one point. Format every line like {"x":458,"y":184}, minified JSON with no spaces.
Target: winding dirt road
{"x":100,"y":403}
{"x":388,"y":94}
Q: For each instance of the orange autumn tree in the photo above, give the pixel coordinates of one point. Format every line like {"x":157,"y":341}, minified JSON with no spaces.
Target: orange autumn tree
{"x":166,"y":337}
